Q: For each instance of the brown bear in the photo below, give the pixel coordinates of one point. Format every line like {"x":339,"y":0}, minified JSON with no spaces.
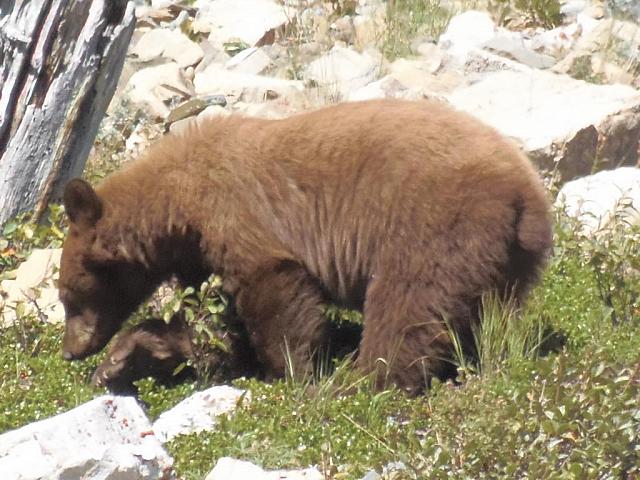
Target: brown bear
{"x":409,"y":211}
{"x":155,"y":348}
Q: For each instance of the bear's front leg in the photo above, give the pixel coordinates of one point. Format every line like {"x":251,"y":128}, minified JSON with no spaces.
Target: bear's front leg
{"x":282,"y":308}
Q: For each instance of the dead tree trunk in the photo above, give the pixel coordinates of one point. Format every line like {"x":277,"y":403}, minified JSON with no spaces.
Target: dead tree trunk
{"x":59,"y":64}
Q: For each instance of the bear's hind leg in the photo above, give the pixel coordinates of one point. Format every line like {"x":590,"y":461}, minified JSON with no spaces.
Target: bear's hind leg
{"x":282,"y":307}
{"x":405,"y":340}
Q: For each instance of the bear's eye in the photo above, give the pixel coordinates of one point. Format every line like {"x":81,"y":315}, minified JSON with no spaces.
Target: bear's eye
{"x":71,"y":310}
{"x":65,"y":295}
{"x":69,"y":302}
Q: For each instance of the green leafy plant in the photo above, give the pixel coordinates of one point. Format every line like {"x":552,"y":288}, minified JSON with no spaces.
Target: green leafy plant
{"x":109,"y":150}
{"x":612,"y":253}
{"x":22,"y":234}
{"x":582,"y":70}
{"x":203,"y":311}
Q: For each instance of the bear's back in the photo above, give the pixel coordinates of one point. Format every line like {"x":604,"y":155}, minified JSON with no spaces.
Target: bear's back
{"x":339,"y":188}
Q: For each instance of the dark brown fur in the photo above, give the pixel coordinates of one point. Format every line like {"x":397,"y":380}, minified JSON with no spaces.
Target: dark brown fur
{"x":155,"y":348}
{"x":152,"y":348}
{"x":408,"y":211}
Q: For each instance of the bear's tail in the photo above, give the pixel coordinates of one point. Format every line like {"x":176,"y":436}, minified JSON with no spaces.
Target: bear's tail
{"x":533,"y":224}
{"x":532,"y":244}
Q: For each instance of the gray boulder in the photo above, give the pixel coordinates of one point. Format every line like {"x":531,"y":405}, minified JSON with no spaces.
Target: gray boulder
{"x":600,"y":199}
{"x":108,"y":438}
{"x":231,"y":469}
{"x":342,"y":70}
{"x":565,"y":125}
{"x":249,"y":21}
{"x":198,"y":412}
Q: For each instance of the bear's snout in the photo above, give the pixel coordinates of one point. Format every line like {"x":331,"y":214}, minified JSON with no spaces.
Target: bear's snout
{"x":67,"y":356}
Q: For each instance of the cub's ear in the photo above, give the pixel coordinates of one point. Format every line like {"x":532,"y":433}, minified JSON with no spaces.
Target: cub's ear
{"x":81,"y":202}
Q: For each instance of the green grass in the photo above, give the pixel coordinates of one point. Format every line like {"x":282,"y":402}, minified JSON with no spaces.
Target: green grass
{"x":109,"y":148}
{"x":529,"y":13}
{"x":408,"y":19}
{"x":35,"y":382}
{"x":521,"y":412}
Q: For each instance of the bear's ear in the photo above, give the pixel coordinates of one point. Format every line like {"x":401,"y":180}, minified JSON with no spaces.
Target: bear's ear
{"x":81,"y":203}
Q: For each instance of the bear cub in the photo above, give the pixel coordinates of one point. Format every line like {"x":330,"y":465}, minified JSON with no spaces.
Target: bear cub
{"x":155,"y":348}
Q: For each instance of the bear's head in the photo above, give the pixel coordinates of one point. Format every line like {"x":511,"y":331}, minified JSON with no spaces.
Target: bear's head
{"x":99,"y":287}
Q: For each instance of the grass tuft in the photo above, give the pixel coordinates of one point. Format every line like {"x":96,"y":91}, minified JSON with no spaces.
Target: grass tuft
{"x":408,"y":19}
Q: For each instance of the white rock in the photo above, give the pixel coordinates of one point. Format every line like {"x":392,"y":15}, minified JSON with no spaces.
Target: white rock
{"x":171,"y":44}
{"x":628,"y":8}
{"x":343,"y":70}
{"x":597,"y":44}
{"x":214,"y":111}
{"x":597,"y":199}
{"x":138,"y":141}
{"x":471,"y":31}
{"x":558,"y":41}
{"x":212,"y":54}
{"x":251,"y":60}
{"x":148,"y":87}
{"x":182,"y":126}
{"x":231,"y":469}
{"x":372,"y":475}
{"x":215,"y":79}
{"x":431,"y":54}
{"x":520,"y":48}
{"x":368,"y":92}
{"x":280,"y":107}
{"x":162,"y":3}
{"x":411,"y":73}
{"x":147,"y":48}
{"x":387,"y":87}
{"x":572,"y":8}
{"x":34,"y":288}
{"x":108,"y":438}
{"x":40,"y":267}
{"x":416,"y":75}
{"x":198,"y":412}
{"x":561,"y":122}
{"x":245,"y":20}
{"x":466,"y":32}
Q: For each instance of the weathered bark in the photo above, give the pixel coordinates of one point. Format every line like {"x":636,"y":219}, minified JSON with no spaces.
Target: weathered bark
{"x":59,"y":64}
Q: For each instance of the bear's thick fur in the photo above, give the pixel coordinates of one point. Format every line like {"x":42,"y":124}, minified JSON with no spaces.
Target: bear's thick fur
{"x":155,"y":348}
{"x":409,"y":211}
{"x":152,"y":348}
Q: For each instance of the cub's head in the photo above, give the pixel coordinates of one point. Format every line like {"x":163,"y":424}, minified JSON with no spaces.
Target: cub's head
{"x":98,"y":286}
{"x":150,"y":349}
